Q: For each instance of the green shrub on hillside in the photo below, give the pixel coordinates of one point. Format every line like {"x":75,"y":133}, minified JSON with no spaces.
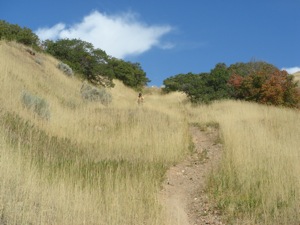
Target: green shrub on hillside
{"x":36,"y":104}
{"x":256,"y":81}
{"x":91,"y":63}
{"x":203,"y":87}
{"x":131,"y":74}
{"x":81,"y":56}
{"x":94,"y":94}
{"x":13,"y":32}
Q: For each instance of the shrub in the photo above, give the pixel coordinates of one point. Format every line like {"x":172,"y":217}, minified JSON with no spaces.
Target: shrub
{"x":66,"y":69}
{"x":275,"y":88}
{"x":36,"y":104}
{"x":13,"y":32}
{"x":94,"y":94}
{"x":39,"y":61}
{"x":203,"y":87}
{"x":91,"y":62}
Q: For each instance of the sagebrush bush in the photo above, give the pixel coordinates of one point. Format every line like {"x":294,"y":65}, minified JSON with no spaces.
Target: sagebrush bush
{"x":94,"y":94}
{"x":66,"y":69}
{"x":38,"y":105}
{"x":39,"y":61}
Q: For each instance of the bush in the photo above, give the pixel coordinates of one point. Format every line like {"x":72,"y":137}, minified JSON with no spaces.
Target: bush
{"x":39,"y":61}
{"x":203,"y":87}
{"x":36,"y":104}
{"x":94,"y":94}
{"x":91,"y":62}
{"x":13,"y":32}
{"x":275,"y":88}
{"x":66,"y":69}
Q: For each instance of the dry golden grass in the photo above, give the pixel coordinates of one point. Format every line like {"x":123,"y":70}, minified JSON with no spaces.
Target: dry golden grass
{"x":259,"y":175}
{"x":91,"y":164}
{"x":87,"y":164}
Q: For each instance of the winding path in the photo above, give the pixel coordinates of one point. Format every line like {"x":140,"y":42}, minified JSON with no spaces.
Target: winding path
{"x":183,"y":195}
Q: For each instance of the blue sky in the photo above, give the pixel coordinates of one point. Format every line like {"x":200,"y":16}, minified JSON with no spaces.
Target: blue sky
{"x":169,"y":37}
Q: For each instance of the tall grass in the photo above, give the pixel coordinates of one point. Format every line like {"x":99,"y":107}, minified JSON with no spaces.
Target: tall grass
{"x":29,"y":196}
{"x":96,"y":164}
{"x":258,"y":179}
{"x":89,"y":163}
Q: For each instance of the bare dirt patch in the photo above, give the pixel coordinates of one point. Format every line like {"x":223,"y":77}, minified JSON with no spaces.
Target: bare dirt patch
{"x":183,"y":195}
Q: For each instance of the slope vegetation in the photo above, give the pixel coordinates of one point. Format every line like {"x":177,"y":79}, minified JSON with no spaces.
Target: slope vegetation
{"x":65,"y":160}
{"x":68,"y":161}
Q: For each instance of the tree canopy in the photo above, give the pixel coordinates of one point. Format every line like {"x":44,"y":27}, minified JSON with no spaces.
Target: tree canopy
{"x":253,"y":81}
{"x":13,"y":32}
{"x":130,"y":73}
{"x":82,"y":57}
{"x":89,"y":62}
{"x":267,"y":87}
{"x":203,"y":87}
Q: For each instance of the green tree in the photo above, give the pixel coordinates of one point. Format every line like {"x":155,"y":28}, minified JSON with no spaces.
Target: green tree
{"x":84,"y":59}
{"x":179,"y":82}
{"x":81,"y":57}
{"x":217,"y":80}
{"x":131,"y":74}
{"x":203,"y":87}
{"x":13,"y":32}
{"x":196,"y":90}
{"x":245,"y":69}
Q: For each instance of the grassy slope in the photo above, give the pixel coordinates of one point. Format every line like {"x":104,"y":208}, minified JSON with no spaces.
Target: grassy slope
{"x":88,"y":164}
{"x":258,"y":179}
{"x":91,"y":164}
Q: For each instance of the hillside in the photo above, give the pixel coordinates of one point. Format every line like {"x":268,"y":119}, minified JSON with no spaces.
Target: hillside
{"x":297,"y":76}
{"x":66,"y":160}
{"x":59,"y":166}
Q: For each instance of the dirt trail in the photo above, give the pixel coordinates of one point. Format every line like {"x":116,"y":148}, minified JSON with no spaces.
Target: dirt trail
{"x":183,"y":194}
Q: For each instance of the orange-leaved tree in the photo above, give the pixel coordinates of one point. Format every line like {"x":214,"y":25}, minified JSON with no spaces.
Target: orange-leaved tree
{"x":265,"y":86}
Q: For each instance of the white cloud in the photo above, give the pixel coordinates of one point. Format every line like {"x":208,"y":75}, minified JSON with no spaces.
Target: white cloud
{"x":118,"y":35}
{"x":50,"y":33}
{"x":292,"y":70}
{"x":167,"y":45}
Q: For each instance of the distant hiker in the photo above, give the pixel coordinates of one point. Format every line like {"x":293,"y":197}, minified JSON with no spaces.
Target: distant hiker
{"x":140,"y":99}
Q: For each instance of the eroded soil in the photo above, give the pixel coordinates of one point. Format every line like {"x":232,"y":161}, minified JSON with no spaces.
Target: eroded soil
{"x":183,"y":195}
